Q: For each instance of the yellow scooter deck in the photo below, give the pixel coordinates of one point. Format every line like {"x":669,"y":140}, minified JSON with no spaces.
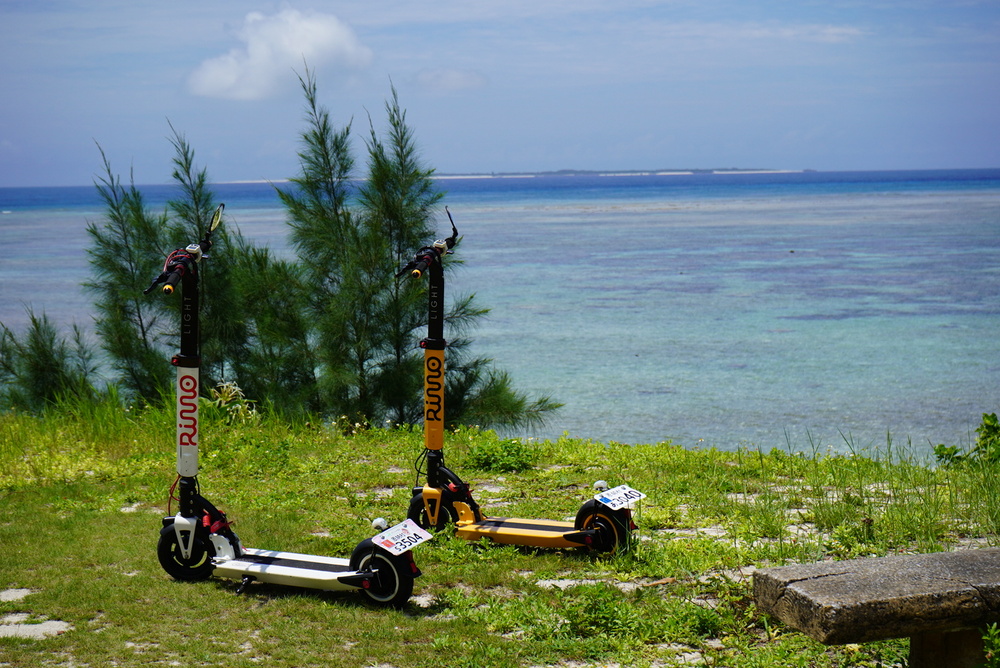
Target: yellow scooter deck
{"x":516,"y":531}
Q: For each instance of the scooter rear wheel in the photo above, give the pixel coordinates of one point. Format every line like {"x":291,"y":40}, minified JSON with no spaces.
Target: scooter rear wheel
{"x":393,"y":582}
{"x":198,"y":566}
{"x":612,"y":527}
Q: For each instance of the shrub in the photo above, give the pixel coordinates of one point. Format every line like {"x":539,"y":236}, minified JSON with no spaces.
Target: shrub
{"x":986,"y":449}
{"x":502,"y":455}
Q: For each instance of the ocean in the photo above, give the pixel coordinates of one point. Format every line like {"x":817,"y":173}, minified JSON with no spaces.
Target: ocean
{"x":794,"y":310}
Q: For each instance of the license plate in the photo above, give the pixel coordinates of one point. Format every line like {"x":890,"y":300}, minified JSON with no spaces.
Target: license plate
{"x":404,"y":536}
{"x":619,"y":497}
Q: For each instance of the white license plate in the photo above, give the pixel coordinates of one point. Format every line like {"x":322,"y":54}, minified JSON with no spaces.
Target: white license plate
{"x":404,"y":536}
{"x":619,"y":497}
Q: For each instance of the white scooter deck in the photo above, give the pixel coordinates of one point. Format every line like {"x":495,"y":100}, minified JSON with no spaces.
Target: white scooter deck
{"x":291,"y":568}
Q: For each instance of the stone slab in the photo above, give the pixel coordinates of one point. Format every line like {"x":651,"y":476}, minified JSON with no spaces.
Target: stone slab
{"x":898,"y":596}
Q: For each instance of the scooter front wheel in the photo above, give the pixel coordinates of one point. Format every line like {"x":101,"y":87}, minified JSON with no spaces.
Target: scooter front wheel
{"x":393,"y":581}
{"x":198,"y":566}
{"x":418,"y":513}
{"x":612,"y":527}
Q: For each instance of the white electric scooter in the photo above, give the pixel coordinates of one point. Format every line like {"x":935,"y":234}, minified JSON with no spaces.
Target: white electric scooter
{"x":197,"y":542}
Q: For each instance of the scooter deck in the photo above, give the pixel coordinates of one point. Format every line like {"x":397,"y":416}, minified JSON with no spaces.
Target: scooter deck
{"x":517,"y":531}
{"x":291,"y":568}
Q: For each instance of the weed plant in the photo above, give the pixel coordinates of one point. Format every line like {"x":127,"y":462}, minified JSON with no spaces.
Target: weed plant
{"x":82,"y":488}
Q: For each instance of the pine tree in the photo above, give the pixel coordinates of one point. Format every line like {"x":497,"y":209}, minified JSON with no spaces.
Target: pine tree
{"x":368,"y":321}
{"x":333,"y":332}
{"x":126,"y":251}
{"x":397,"y":203}
{"x":224,"y":330}
{"x":139,"y":332}
{"x":329,"y":246}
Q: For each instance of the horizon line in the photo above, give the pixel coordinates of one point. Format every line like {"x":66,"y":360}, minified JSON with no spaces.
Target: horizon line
{"x":579,"y":172}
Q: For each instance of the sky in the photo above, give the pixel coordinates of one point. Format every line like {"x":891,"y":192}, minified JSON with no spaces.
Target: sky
{"x":500,"y":86}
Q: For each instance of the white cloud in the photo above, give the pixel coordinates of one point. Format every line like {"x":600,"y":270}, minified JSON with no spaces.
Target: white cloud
{"x":735,"y":35}
{"x":450,"y":79}
{"x":830,"y":34}
{"x":274,"y":46}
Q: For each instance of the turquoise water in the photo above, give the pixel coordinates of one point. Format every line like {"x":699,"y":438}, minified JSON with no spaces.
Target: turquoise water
{"x":726,"y":310}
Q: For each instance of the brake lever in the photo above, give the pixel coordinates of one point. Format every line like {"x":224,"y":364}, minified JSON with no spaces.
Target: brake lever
{"x":453,"y":239}
{"x":156,"y":281}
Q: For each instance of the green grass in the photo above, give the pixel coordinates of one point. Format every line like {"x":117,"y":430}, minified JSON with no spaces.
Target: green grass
{"x":82,"y":491}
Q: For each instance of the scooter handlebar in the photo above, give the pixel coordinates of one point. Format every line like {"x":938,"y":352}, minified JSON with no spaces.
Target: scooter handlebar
{"x":174,"y":269}
{"x":428,"y":255}
{"x":418,"y":265}
{"x":186,"y":259}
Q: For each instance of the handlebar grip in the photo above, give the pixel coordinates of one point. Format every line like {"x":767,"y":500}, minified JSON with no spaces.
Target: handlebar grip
{"x":419,"y":269}
{"x":172,"y":280}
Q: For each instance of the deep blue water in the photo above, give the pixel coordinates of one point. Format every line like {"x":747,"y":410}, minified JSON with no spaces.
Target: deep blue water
{"x":791,"y":310}
{"x":563,"y":187}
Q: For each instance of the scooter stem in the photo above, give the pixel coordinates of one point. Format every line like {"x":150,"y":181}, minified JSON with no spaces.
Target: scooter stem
{"x":184,"y":264}
{"x":428,"y":259}
{"x":188,"y":380}
{"x":434,"y":346}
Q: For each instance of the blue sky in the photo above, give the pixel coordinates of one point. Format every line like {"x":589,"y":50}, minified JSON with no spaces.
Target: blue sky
{"x":501,"y":86}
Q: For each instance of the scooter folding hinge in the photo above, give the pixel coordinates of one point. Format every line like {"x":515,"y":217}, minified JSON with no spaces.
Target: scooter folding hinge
{"x":188,"y":361}
{"x":188,"y":524}
{"x":433,"y":344}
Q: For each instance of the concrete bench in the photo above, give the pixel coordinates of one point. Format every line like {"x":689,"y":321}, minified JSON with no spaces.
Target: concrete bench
{"x":940,"y":601}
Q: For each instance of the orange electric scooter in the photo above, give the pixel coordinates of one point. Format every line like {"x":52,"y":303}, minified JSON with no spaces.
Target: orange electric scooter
{"x":604,"y":523}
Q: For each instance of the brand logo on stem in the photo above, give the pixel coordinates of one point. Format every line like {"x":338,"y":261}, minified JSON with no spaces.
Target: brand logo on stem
{"x":187,"y":410}
{"x":433,"y":389}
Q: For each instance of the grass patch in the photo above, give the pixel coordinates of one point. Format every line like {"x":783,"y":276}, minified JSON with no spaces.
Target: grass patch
{"x":82,"y":491}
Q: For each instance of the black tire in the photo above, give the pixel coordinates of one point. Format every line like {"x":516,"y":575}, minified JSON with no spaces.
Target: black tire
{"x":613,"y":527}
{"x":198,"y":566}
{"x":418,"y":513}
{"x":393,"y":582}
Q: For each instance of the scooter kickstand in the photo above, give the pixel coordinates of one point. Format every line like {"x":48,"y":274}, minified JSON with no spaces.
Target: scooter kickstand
{"x":247,"y":579}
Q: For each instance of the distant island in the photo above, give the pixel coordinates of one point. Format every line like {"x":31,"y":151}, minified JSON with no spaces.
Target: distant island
{"x":577,"y":172}
{"x":621,"y":172}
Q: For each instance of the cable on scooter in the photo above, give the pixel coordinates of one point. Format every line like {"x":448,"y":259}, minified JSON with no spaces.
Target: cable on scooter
{"x":171,"y":497}
{"x":418,"y":465}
